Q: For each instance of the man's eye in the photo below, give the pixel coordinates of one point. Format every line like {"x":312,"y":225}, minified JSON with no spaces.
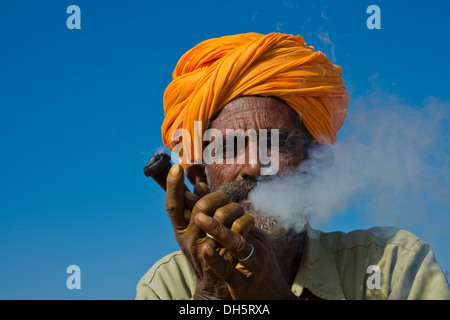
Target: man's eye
{"x":284,"y":142}
{"x":280,"y":142}
{"x":234,"y":152}
{"x":226,"y":150}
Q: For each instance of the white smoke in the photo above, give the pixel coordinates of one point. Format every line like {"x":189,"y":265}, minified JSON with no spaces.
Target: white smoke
{"x":392,"y":164}
{"x":325,"y":38}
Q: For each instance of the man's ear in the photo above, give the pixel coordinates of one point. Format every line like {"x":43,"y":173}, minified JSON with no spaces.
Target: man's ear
{"x":196,"y":173}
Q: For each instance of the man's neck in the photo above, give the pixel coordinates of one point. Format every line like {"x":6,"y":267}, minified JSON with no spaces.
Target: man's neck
{"x":289,"y":251}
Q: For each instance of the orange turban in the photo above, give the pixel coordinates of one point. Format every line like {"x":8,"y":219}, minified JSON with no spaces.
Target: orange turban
{"x":215,"y":71}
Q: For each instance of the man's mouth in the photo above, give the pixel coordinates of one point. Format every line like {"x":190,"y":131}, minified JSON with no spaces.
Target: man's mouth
{"x":238,"y":191}
{"x":245,"y":202}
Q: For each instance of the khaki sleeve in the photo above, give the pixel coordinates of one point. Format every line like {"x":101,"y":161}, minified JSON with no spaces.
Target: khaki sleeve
{"x":171,"y":278}
{"x":417,"y":275}
{"x":430,"y":282}
{"x":144,"y":292}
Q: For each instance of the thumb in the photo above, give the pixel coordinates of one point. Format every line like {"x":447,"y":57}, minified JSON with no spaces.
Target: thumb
{"x":175,"y":197}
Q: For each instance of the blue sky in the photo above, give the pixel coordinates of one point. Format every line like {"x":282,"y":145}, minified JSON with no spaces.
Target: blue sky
{"x":81,"y":112}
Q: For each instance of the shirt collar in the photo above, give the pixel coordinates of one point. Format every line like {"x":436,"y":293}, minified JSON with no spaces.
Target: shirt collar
{"x":318,"y":271}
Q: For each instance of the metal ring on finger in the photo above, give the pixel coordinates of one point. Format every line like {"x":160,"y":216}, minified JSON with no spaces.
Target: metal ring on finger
{"x":249,"y":255}
{"x":210,"y":236}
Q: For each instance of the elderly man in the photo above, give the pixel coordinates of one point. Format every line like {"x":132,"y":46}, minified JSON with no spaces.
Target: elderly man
{"x":228,"y":249}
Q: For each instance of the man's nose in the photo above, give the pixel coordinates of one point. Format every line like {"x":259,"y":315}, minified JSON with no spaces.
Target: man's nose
{"x":250,"y":170}
{"x":252,"y":166}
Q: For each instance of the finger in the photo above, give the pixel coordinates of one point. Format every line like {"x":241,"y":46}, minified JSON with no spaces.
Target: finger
{"x":174,"y":196}
{"x":207,"y":205}
{"x":227,"y":214}
{"x":210,"y":203}
{"x":190,"y":199}
{"x":186,"y":215}
{"x":233,"y":242}
{"x":222,"y":268}
{"x":201,"y":189}
{"x":243,"y":225}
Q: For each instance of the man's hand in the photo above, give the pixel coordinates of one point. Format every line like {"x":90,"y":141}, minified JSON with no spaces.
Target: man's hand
{"x":183,"y":208}
{"x":258,"y":275}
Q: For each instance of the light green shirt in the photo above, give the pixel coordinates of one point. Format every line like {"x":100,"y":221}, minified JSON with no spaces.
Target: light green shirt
{"x":379,"y":263}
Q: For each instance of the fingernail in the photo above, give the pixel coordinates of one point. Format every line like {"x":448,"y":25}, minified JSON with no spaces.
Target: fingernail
{"x":209,"y":250}
{"x":174,"y":171}
{"x":203,"y":218}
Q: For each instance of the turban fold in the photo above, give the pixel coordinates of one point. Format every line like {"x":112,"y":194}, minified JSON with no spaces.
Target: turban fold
{"x":217,"y":70}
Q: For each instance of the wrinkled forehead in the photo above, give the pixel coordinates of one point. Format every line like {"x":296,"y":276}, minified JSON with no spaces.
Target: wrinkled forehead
{"x":253,"y":112}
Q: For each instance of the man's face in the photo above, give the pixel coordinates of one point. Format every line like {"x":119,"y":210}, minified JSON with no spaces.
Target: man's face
{"x":257,"y":113}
